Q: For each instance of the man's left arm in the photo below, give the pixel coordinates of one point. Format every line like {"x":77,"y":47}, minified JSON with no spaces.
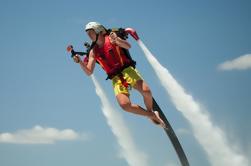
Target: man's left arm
{"x":118,"y":41}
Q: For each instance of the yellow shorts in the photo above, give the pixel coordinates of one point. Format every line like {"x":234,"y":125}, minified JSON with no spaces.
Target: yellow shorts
{"x":131,"y":76}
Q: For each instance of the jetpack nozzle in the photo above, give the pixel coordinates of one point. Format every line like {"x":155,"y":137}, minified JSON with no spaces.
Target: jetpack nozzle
{"x":133,"y":33}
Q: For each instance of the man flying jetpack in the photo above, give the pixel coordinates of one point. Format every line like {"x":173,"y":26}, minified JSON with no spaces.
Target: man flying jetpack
{"x":109,"y":48}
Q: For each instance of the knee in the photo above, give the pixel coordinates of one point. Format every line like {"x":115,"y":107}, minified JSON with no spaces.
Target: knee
{"x":146,"y":90}
{"x":125,"y":106}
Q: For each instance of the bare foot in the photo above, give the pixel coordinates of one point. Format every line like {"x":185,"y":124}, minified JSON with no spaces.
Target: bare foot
{"x":155,"y":118}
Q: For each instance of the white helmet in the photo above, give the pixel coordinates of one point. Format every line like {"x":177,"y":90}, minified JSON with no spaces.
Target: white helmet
{"x":97,"y":27}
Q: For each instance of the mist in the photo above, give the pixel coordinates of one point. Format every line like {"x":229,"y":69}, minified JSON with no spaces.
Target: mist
{"x":128,"y":148}
{"x":212,"y":139}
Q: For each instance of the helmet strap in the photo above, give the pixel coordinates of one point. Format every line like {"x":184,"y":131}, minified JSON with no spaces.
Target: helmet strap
{"x":92,"y":45}
{"x":97,"y":35}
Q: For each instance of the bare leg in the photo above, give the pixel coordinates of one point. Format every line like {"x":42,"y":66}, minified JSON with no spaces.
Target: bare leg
{"x":125,"y":104}
{"x":145,"y":91}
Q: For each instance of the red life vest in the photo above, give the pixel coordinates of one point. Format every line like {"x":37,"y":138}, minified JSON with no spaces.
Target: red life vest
{"x":112,"y":58}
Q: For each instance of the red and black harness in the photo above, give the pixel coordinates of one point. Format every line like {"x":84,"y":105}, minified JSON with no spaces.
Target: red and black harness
{"x":113,"y":59}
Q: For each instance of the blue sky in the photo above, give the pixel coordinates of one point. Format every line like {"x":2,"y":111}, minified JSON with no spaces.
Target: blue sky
{"x":42,"y":90}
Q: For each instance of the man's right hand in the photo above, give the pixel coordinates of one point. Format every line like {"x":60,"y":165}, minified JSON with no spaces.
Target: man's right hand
{"x":76,"y":58}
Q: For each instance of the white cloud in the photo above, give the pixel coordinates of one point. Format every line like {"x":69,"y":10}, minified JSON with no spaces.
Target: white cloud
{"x":183,"y":131}
{"x":169,"y":163}
{"x":128,"y":149}
{"x":240,"y":63}
{"x":210,"y":136}
{"x":40,"y":135}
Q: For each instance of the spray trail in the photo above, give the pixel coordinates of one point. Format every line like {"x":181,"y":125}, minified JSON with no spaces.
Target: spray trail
{"x":211,"y":137}
{"x":132,"y":155}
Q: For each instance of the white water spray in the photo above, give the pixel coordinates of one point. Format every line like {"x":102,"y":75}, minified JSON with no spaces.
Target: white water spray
{"x":129,"y":151}
{"x":211,"y":137}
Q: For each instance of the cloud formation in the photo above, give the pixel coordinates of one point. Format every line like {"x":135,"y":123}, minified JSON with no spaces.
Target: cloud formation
{"x":182,"y":131}
{"x":40,"y":135}
{"x":240,"y":63}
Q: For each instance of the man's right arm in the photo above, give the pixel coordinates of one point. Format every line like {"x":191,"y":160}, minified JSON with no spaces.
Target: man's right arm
{"x":88,"y":67}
